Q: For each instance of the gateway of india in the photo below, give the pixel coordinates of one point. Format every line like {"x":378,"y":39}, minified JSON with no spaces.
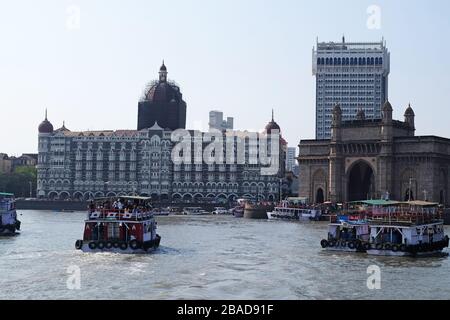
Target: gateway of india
{"x":374,"y":159}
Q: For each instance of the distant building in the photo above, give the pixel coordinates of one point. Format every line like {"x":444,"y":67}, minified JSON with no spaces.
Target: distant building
{"x":375,"y":159}
{"x":353,"y":74}
{"x":25,"y":160}
{"x":5,"y":163}
{"x":216,"y":121}
{"x":8,"y":164}
{"x":87,"y":164}
{"x":291,"y":158}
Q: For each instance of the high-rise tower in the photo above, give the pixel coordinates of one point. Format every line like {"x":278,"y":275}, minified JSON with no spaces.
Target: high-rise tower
{"x":353,"y":75}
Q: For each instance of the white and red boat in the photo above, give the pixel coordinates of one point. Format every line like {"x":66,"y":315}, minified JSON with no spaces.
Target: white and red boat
{"x":120,"y":225}
{"x":9,"y":225}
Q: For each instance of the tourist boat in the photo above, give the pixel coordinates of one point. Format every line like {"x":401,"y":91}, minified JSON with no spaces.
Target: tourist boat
{"x":195,"y":211}
{"x":9,"y":225}
{"x":389,"y":228}
{"x":161,"y":211}
{"x":238,"y":212}
{"x":121,"y":225}
{"x":220,"y":210}
{"x":414,"y":228}
{"x":289,"y":211}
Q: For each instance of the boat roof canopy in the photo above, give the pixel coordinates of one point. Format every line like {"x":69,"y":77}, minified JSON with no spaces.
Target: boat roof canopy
{"x":420,"y":203}
{"x":4,"y":194}
{"x":379,"y":202}
{"x":125,"y":198}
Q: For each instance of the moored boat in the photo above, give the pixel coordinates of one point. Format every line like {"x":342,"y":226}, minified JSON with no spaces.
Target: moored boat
{"x":389,"y":228}
{"x":121,"y":225}
{"x":291,"y":211}
{"x":9,"y":224}
{"x":195,"y":211}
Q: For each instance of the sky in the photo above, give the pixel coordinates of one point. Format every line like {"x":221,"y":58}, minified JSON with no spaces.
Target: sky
{"x":88,"y":61}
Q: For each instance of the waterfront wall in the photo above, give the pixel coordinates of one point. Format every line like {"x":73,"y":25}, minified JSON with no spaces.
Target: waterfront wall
{"x":61,"y":205}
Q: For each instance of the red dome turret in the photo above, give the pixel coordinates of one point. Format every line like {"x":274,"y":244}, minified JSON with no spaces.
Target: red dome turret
{"x":45,"y":126}
{"x":272,"y":125}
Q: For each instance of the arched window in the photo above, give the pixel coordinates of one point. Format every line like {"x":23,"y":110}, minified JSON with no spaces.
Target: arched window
{"x":380,"y":60}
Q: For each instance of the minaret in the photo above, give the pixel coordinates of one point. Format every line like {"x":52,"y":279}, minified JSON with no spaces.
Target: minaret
{"x":163,"y":73}
{"x":336,"y":123}
{"x":386,"y":127}
{"x":409,"y":119}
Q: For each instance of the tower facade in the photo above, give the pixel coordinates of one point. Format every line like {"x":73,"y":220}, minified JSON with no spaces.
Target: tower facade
{"x":353,"y":74}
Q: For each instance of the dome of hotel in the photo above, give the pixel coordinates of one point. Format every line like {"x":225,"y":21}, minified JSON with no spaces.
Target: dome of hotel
{"x":45,"y":126}
{"x":162,"y":90}
{"x":272,"y":125}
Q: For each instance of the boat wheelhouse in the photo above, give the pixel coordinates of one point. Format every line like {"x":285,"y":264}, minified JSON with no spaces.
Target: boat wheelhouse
{"x":9,"y":225}
{"x":121,"y":224}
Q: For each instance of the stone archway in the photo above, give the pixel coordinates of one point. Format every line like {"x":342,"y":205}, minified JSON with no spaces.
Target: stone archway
{"x":320,"y":197}
{"x":409,"y":195}
{"x":361,"y":182}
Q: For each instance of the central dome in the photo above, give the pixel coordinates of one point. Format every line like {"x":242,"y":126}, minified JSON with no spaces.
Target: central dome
{"x":162,"y":102}
{"x":272,"y":126}
{"x":162,"y":92}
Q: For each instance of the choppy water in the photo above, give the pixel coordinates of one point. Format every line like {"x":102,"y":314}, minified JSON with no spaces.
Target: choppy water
{"x":207,"y":257}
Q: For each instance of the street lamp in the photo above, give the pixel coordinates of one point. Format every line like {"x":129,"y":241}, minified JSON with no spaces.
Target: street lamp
{"x":31,"y":189}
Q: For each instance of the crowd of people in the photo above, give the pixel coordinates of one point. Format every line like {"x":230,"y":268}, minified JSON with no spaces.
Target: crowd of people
{"x":120,"y":205}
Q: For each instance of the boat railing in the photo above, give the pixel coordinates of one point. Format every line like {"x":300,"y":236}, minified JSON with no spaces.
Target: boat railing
{"x":116,"y":214}
{"x":406,"y":217}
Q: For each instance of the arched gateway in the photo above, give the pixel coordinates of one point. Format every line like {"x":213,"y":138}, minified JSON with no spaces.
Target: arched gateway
{"x":361,"y":182}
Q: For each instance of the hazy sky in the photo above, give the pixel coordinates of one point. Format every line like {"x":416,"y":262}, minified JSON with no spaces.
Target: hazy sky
{"x":243,"y":57}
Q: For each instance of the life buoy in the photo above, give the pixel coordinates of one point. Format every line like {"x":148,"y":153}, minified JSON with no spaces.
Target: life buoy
{"x":351,"y":245}
{"x":387,"y":246}
{"x":92,"y":245}
{"x":324,"y":243}
{"x":123,"y":246}
{"x":394,"y":248}
{"x":78,"y":244}
{"x":101,"y":245}
{"x":116,"y":244}
{"x":379,"y":246}
{"x":108,"y":245}
{"x":332,"y":243}
{"x":134,"y":244}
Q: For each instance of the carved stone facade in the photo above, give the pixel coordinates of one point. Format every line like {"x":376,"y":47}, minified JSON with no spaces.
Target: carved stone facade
{"x":372,"y":159}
